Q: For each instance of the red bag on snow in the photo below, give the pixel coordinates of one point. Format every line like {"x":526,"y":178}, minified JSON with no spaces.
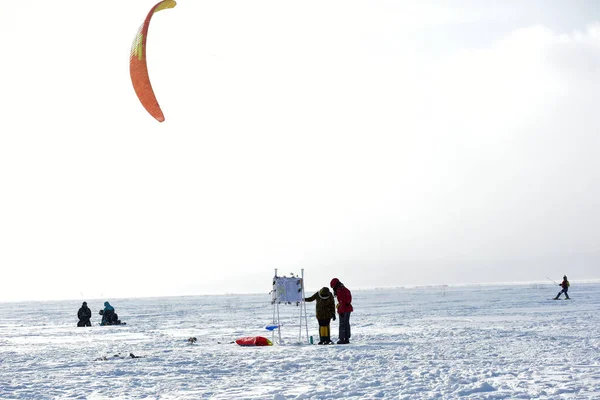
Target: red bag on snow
{"x":254,"y":341}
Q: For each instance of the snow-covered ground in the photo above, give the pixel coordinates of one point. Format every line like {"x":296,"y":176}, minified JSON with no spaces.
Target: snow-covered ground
{"x":483,"y":342}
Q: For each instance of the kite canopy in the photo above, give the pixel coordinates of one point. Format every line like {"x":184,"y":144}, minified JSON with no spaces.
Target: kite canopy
{"x":138,"y":68}
{"x":254,"y":341}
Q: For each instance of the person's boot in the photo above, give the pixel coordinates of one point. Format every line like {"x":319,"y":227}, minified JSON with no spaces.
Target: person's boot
{"x":321,"y":340}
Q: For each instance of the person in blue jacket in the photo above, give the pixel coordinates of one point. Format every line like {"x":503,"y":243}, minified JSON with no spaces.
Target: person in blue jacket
{"x":109,"y":316}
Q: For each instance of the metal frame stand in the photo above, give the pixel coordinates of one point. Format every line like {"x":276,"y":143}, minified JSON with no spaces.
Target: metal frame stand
{"x":303,"y":314}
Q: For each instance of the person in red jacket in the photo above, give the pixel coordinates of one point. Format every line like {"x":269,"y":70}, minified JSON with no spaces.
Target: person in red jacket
{"x":565,"y":288}
{"x":344,"y":308}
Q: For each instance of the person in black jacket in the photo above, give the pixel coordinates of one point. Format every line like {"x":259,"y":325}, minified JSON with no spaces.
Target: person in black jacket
{"x":84,"y":314}
{"x":325,"y":312}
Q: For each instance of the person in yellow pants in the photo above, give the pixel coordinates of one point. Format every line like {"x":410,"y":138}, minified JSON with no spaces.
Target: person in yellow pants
{"x":325,"y":313}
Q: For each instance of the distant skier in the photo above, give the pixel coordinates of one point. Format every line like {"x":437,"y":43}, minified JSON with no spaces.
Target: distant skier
{"x":325,"y":312}
{"x":344,"y":308}
{"x":109,"y":316}
{"x":84,"y":314}
{"x":565,"y":288}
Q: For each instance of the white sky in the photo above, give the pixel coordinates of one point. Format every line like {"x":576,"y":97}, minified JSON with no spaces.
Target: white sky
{"x":381,"y":142}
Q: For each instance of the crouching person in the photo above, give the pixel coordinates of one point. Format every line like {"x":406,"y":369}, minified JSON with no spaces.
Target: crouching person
{"x":84,"y":314}
{"x":325,"y":312}
{"x":109,"y":316}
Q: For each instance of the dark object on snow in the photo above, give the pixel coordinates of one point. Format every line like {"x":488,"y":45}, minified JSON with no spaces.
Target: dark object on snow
{"x":118,"y":355}
{"x":109,"y":318}
{"x":84,"y":314}
{"x":192,"y":340}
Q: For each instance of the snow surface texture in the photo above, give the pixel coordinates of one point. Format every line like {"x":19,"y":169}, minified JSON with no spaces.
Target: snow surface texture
{"x":486,"y":342}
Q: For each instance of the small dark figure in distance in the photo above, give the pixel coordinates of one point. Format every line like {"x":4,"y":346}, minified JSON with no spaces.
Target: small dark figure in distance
{"x":84,"y":314}
{"x":344,"y":308}
{"x":565,"y":288}
{"x":192,"y":340}
{"x":325,"y":312}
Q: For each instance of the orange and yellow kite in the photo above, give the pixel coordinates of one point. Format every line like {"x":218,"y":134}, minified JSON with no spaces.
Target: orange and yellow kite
{"x":138,"y":68}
